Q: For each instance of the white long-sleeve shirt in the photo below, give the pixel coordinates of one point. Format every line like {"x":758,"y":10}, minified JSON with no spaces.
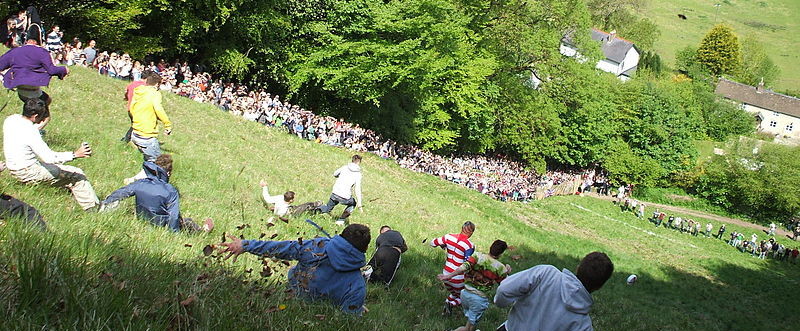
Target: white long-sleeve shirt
{"x":348,"y":178}
{"x":281,"y":206}
{"x":22,"y":144}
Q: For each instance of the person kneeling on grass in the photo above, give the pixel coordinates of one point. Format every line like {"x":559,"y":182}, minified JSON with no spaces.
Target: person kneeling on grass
{"x":545,"y":298}
{"x":156,"y":199}
{"x":327,"y":268}
{"x":386,"y":260}
{"x":483,"y":273}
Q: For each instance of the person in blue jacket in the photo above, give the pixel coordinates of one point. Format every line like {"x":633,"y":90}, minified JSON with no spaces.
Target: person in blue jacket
{"x":157,"y":200}
{"x":326,"y":267}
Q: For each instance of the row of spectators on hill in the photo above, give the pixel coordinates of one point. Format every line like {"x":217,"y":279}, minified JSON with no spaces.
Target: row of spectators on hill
{"x":497,"y":176}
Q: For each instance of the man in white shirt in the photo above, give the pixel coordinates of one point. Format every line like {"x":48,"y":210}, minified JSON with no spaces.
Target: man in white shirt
{"x":23,"y":144}
{"x":348,"y":179}
{"x":281,"y":202}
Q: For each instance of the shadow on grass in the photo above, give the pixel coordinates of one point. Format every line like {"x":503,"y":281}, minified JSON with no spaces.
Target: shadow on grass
{"x":88,"y":281}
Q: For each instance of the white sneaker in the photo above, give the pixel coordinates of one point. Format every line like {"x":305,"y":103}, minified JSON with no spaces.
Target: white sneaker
{"x":340,"y":223}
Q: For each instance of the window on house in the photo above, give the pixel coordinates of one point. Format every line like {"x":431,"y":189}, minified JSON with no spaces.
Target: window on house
{"x":790,"y":127}
{"x":773,"y":124}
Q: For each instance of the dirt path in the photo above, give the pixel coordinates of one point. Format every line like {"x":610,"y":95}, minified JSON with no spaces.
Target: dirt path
{"x":696,"y":213}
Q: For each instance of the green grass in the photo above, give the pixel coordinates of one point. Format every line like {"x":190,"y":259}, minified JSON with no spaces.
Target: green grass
{"x":112,"y":271}
{"x":775,"y":23}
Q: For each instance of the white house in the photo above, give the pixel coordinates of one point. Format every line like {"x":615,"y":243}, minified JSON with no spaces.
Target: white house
{"x":775,"y":113}
{"x":621,"y":56}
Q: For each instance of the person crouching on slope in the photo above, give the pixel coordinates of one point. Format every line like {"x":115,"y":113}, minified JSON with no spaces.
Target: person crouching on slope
{"x":327,"y":268}
{"x":146,"y":110}
{"x":348,"y":179}
{"x":157,"y":200}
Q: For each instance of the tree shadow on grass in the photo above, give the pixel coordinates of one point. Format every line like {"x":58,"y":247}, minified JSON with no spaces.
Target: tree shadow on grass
{"x":733,"y":298}
{"x":91,"y":281}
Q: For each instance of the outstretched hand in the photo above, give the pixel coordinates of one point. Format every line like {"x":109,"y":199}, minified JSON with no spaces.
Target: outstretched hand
{"x":262,"y":183}
{"x":233,"y":248}
{"x":444,"y":276}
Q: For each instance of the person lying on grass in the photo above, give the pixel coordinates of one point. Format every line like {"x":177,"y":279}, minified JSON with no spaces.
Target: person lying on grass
{"x":156,"y":199}
{"x":282,"y":204}
{"x":328,"y":268}
{"x":483,"y":273}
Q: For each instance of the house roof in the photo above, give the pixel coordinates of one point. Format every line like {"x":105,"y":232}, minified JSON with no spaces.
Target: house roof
{"x":629,"y":72}
{"x":759,"y":97}
{"x":614,"y":50}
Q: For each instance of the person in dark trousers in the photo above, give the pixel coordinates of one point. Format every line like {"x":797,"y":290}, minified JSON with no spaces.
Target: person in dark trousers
{"x":348,"y":179}
{"x":390,"y":245}
{"x":29,"y":69}
{"x":327,"y":268}
{"x":157,"y":200}
{"x":10,"y":207}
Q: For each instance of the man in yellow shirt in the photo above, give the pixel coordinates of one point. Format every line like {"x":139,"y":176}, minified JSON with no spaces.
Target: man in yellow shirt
{"x":146,"y":111}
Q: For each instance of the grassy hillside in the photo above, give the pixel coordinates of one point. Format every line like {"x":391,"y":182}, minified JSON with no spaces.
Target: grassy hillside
{"x":775,"y":23}
{"x":111,"y":271}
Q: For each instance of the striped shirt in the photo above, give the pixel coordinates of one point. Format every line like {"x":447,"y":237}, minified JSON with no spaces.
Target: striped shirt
{"x":53,"y":42}
{"x":458,"y":247}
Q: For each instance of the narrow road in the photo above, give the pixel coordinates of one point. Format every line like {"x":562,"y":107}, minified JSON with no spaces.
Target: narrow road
{"x":696,"y":213}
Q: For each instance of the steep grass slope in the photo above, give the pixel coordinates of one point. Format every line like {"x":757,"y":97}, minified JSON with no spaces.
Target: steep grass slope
{"x":110,"y":271}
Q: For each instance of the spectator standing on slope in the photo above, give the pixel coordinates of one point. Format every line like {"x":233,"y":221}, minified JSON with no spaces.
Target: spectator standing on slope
{"x":348,"y":179}
{"x":459,"y":248}
{"x":545,"y":298}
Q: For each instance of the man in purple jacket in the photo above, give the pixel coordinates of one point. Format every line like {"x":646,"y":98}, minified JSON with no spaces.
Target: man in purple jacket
{"x":29,"y":68}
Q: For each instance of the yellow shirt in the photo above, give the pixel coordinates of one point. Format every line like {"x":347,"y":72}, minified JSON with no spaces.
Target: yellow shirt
{"x":146,"y":111}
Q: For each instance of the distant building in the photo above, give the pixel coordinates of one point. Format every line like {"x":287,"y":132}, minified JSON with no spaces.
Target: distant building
{"x":775,"y":113}
{"x":621,"y":56}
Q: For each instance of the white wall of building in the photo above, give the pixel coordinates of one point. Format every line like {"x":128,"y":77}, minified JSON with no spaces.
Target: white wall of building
{"x":775,"y":123}
{"x":609,"y":66}
{"x":631,"y":60}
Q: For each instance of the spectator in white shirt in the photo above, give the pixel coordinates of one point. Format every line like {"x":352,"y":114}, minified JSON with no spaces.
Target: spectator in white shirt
{"x":22,"y":144}
{"x":281,"y":202}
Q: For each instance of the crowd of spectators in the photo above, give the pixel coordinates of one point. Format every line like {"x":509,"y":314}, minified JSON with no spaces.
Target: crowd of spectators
{"x":497,"y":176}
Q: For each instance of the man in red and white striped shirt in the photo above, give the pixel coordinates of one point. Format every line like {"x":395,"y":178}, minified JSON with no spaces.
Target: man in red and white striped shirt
{"x":458,"y":248}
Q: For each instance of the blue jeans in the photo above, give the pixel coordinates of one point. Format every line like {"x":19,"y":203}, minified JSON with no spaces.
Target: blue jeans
{"x":149,"y":147}
{"x":335,"y":200}
{"x":474,"y":306}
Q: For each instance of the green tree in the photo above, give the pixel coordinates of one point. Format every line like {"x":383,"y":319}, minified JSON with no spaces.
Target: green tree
{"x":719,"y":51}
{"x":756,"y":64}
{"x":755,"y":178}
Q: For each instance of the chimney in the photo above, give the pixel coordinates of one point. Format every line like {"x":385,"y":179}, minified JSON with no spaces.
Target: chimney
{"x":612,"y":35}
{"x":760,"y":86}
